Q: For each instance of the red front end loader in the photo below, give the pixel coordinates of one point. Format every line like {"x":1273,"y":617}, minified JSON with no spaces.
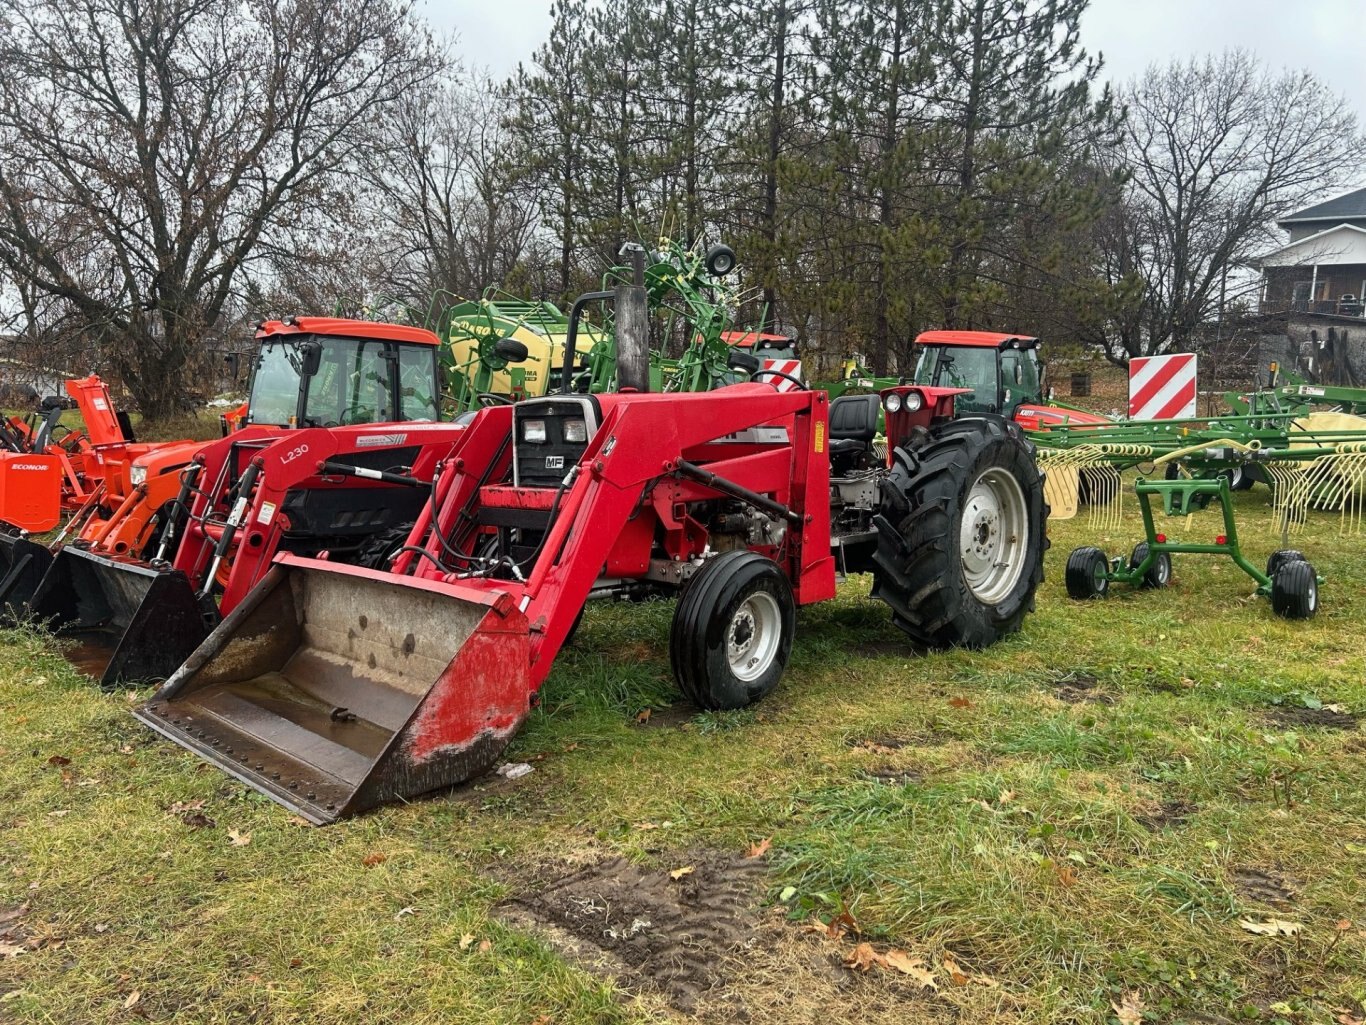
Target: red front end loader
{"x":334,"y":688}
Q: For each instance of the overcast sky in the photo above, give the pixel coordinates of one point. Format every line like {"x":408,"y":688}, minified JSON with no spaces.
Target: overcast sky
{"x":1325,"y":36}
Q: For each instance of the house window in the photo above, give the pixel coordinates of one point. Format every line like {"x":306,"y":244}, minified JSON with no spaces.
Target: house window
{"x":1300,"y":295}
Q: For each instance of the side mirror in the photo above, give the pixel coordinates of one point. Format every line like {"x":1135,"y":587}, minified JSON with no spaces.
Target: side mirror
{"x":738,"y":359}
{"x":720,"y":261}
{"x":312,"y":358}
{"x":511,"y":350}
{"x":233,"y":361}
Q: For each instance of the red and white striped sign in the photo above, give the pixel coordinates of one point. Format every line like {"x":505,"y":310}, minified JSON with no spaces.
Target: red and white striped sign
{"x":792,"y":367}
{"x":1162,"y":387}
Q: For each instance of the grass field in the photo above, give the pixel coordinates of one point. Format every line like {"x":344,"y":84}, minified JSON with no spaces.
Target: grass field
{"x":1083,"y":820}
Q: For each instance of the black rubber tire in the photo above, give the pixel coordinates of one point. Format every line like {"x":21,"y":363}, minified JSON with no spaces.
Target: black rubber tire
{"x":1279,"y":558}
{"x":699,"y":636}
{"x":1086,"y":575}
{"x":1239,"y":479}
{"x":1159,"y":573}
{"x":917,"y":567}
{"x":379,"y":550}
{"x":1295,"y":590}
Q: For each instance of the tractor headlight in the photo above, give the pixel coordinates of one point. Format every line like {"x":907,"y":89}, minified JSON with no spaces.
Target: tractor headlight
{"x":892,"y":403}
{"x":137,"y":476}
{"x":913,"y":401}
{"x":575,"y":431}
{"x":533,"y":431}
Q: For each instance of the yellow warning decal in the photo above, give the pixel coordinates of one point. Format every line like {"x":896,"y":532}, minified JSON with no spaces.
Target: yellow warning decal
{"x":820,"y":435}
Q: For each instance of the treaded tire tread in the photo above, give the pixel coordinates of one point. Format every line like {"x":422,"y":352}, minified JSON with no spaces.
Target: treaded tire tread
{"x":1294,"y":590}
{"x":718,"y":583}
{"x":1080,"y":574}
{"x":917,"y":568}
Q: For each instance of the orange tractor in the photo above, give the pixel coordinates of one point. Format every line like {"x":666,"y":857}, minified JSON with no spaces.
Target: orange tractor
{"x":332,"y":688}
{"x":309,"y":372}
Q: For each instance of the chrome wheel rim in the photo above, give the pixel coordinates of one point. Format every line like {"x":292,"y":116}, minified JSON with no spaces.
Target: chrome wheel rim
{"x":994,"y":535}
{"x":752,"y":636}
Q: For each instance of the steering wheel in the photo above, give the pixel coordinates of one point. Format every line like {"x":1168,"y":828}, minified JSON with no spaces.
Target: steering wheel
{"x":488,"y":398}
{"x":802,"y":385}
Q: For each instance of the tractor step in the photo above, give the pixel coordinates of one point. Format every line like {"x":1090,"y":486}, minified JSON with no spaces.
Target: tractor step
{"x":333,"y":688}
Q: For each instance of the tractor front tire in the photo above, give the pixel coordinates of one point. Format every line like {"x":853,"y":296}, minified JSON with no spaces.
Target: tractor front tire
{"x":961,"y":533}
{"x":732,"y":631}
{"x":1295,"y":590}
{"x":1087,"y":574}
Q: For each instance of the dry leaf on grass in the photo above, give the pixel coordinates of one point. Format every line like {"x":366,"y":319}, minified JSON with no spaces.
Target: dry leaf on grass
{"x":643,"y":716}
{"x":485,"y":946}
{"x":962,"y":977}
{"x":679,"y":873}
{"x":861,"y":958}
{"x":960,"y":702}
{"x":132,"y":1000}
{"x":405,"y":911}
{"x":1067,"y":876}
{"x":467,"y":941}
{"x":1349,"y":1016}
{"x":374,"y":858}
{"x":904,"y":963}
{"x":197,"y":820}
{"x":237,"y":839}
{"x":759,"y":849}
{"x":298,"y":820}
{"x":1271,"y":927}
{"x":9,"y":950}
{"x":59,"y":760}
{"x":181,"y":807}
{"x":1130,"y":1008}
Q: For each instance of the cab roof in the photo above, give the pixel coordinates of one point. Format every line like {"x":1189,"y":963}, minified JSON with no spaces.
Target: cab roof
{"x":348,"y":328}
{"x":980,"y":339}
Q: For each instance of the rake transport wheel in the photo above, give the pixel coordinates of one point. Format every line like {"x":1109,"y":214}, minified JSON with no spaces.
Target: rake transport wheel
{"x":732,"y":631}
{"x":961,"y":532}
{"x":1280,"y":558}
{"x":1087,"y":574}
{"x":1159,"y":573}
{"x":1295,"y":590}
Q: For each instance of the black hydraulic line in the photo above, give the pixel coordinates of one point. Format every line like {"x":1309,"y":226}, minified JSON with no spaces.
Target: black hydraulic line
{"x":739,"y":493}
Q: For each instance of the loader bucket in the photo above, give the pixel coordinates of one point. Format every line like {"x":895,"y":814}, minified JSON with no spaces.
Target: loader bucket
{"x":132,"y":622}
{"x":22,"y":565}
{"x":332,"y":689}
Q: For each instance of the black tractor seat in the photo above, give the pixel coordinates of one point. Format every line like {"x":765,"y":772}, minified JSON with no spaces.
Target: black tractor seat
{"x":853,"y":423}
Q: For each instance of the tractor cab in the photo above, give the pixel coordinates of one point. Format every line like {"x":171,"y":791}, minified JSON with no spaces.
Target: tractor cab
{"x":325,"y":372}
{"x":998,"y":372}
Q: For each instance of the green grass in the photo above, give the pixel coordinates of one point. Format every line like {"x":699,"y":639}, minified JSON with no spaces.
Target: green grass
{"x":1029,"y":840}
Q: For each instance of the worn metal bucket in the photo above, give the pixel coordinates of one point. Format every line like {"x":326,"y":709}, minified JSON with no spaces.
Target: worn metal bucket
{"x":332,"y":689}
{"x":22,"y":565}
{"x":133,"y":623}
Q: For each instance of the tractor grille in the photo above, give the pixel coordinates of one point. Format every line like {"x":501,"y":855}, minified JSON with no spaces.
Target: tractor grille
{"x":551,"y":436}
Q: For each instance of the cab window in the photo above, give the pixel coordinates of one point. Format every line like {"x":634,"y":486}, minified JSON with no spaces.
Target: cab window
{"x":416,"y":383}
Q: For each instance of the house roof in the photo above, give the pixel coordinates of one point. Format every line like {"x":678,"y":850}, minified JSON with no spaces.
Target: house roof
{"x":1350,"y":207}
{"x":1310,"y":244}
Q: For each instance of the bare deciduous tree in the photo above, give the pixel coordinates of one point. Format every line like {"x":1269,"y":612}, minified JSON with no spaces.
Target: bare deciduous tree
{"x":1216,"y":150}
{"x":151,"y":149}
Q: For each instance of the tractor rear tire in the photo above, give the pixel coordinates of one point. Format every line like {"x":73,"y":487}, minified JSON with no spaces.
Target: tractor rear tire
{"x":1159,"y":573}
{"x":1281,"y":558}
{"x":1295,"y":590}
{"x":1087,"y":574}
{"x":380,"y":550}
{"x":732,"y":631}
{"x":961,"y":533}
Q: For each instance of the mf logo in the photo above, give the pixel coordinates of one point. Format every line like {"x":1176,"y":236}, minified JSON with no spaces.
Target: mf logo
{"x":554,"y":462}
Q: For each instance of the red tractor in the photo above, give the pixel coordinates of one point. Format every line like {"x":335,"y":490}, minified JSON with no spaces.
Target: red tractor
{"x":333,"y":688}
{"x":333,"y":376}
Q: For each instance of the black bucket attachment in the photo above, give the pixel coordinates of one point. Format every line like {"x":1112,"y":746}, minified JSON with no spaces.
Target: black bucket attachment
{"x":332,"y":689}
{"x":133,"y":623}
{"x":22,"y":565}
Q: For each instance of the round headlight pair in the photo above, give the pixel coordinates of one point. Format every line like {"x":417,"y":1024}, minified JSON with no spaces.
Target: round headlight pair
{"x":910,"y":401}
